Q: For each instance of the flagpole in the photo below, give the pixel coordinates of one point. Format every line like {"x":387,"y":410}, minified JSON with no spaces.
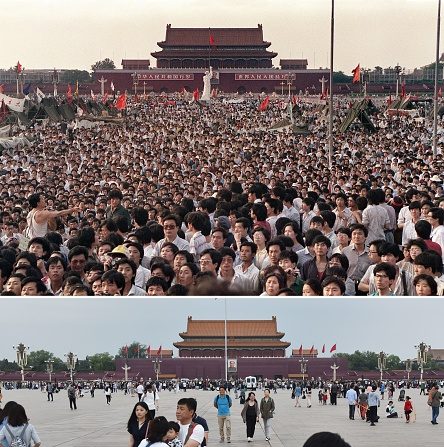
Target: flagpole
{"x":330,"y":125}
{"x":435,"y":110}
{"x":209,"y":48}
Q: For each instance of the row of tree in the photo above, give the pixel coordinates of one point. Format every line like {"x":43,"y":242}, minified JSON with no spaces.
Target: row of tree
{"x":368,"y":360}
{"x":37,"y":360}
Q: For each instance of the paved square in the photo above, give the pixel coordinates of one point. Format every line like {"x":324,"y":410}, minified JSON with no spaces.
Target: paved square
{"x":97,"y":424}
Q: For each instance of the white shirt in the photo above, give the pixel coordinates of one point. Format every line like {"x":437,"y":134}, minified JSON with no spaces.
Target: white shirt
{"x":142,"y":276}
{"x":150,"y":399}
{"x":197,"y":435}
{"x":250,"y":276}
{"x":437,"y":235}
{"x":180,"y":243}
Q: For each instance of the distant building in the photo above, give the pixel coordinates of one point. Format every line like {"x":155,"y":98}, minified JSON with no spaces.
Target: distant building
{"x":293,"y":64}
{"x":218,"y":47}
{"x":245,"y":338}
{"x":135,"y":64}
{"x":306,"y":353}
{"x":437,"y":355}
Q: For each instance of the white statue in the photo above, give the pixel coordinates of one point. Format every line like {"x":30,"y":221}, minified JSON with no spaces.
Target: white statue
{"x":206,"y":94}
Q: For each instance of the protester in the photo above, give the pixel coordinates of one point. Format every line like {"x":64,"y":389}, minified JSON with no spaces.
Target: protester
{"x":156,"y":190}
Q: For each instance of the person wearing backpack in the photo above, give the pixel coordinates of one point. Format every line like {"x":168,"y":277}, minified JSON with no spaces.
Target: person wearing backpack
{"x":190,"y":434}
{"x":18,"y":432}
{"x":223,"y":404}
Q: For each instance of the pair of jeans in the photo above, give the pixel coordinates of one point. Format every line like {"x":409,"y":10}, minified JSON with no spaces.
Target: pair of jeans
{"x":351,"y":411}
{"x":267,"y":427}
{"x":435,"y":413}
{"x":72,"y":403}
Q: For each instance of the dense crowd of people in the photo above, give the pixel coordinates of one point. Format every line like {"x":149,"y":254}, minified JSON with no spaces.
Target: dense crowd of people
{"x":191,"y":200}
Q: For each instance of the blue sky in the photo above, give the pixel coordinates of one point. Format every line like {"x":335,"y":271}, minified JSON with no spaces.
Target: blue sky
{"x":75,"y":34}
{"x":87,"y":326}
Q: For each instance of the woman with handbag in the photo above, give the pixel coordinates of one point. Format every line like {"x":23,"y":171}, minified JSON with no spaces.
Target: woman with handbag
{"x":267,"y":409}
{"x":138,"y":424}
{"x":250,"y":415}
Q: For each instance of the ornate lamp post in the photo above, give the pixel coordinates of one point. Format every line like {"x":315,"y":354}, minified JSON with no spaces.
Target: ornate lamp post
{"x":144,"y":88}
{"x":290,"y":78}
{"x":22,"y":357}
{"x":408,"y":368}
{"x":303,"y":363}
{"x":382,"y":361}
{"x":282,"y":88}
{"x":55,"y":80}
{"x":135,"y":81}
{"x":156,"y":365}
{"x":71,"y":360}
{"x":49,"y":368}
{"x":422,"y":350}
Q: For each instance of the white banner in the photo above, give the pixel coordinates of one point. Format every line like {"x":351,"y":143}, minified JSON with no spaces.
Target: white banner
{"x":13,"y":103}
{"x":40,"y":95}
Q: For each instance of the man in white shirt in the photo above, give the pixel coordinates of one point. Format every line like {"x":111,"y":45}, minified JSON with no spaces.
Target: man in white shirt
{"x":171,"y":225}
{"x":247,"y":270}
{"x":190,"y":434}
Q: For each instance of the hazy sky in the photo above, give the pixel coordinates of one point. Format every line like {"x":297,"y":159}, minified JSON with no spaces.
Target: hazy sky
{"x":88,"y":326}
{"x":75,"y":34}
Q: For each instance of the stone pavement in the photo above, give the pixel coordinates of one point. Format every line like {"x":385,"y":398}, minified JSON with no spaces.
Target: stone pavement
{"x":97,"y":424}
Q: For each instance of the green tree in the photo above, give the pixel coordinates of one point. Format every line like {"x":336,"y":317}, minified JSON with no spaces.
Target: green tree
{"x":102,"y":362}
{"x":394,"y":362}
{"x":106,"y":64}
{"x":6,"y":365}
{"x":37,"y":360}
{"x":339,"y":77}
{"x":135,"y":350}
{"x":72,"y":76}
{"x":83,"y":365}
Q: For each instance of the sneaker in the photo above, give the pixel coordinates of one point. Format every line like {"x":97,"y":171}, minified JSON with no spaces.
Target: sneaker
{"x":267,"y":439}
{"x":248,"y":439}
{"x":228,"y":440}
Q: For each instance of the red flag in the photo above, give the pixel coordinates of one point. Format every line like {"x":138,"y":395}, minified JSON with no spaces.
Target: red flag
{"x":121,"y":102}
{"x":212,"y":42}
{"x":323,"y":349}
{"x":300,"y":350}
{"x":196,"y":95}
{"x":148,"y":351}
{"x":389,"y":101}
{"x":125,"y":350}
{"x":138,"y":349}
{"x":333,"y":348}
{"x":214,"y":93}
{"x":294,"y":99}
{"x":69,"y":93}
{"x":312,"y":350}
{"x":356,"y":74}
{"x":159,"y":350}
{"x":264,"y":104}
{"x":19,"y":67}
{"x":105,"y":97}
{"x":403,"y":89}
{"x":440,"y":92}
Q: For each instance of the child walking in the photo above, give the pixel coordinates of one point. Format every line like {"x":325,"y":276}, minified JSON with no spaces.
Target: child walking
{"x":408,"y":408}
